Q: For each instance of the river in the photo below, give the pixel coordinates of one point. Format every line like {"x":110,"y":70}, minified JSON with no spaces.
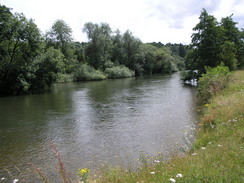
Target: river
{"x":95,"y":123}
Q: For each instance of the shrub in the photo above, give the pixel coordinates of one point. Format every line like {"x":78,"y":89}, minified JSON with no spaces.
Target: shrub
{"x":119,"y":72}
{"x":213,"y":81}
{"x":64,"y":78}
{"x":87,"y":73}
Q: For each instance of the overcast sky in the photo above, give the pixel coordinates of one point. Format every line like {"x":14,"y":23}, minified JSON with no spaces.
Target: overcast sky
{"x":149,"y":20}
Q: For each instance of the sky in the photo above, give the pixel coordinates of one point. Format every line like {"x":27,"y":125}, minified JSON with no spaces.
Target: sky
{"x":149,"y":20}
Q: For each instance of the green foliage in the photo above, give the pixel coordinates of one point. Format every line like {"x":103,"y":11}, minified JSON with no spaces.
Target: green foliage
{"x":99,"y":48}
{"x":64,"y":78}
{"x":60,"y":33}
{"x":207,"y":42}
{"x":213,"y":81}
{"x":214,"y":42}
{"x":20,"y":43}
{"x":233,"y":35}
{"x":119,"y":72}
{"x":45,"y":69}
{"x":169,"y":65}
{"x":60,"y":37}
{"x":228,"y":55}
{"x":87,"y":73}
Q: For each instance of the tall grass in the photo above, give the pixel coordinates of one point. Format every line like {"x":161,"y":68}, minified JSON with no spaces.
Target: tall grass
{"x":216,"y":156}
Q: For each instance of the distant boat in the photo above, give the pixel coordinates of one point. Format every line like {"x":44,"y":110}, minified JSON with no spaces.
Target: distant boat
{"x":192,"y":82}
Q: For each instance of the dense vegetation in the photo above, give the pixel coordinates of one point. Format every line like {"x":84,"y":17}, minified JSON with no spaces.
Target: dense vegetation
{"x":214,"y":43}
{"x":31,"y":62}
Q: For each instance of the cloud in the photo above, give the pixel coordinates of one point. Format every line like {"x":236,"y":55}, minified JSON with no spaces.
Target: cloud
{"x":175,"y":11}
{"x":150,"y":20}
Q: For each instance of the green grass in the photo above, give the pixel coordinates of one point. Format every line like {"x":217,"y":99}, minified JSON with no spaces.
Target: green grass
{"x":216,"y":156}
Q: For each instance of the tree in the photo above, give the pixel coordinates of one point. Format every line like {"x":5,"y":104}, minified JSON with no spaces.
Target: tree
{"x":206,"y":42}
{"x":232,"y":34}
{"x":20,"y":43}
{"x":149,"y":58}
{"x":60,"y":33}
{"x":99,"y":48}
{"x":45,"y":68}
{"x":131,"y":50}
{"x":228,"y":55}
{"x":60,"y":37}
{"x":182,"y":51}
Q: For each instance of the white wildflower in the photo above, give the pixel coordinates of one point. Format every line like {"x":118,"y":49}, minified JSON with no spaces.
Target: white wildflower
{"x":152,"y":173}
{"x":156,"y":161}
{"x":172,"y":180}
{"x":3,"y":178}
{"x":220,"y":145}
{"x":179,"y":175}
{"x":194,"y":154}
{"x":203,"y":148}
{"x":15,"y":180}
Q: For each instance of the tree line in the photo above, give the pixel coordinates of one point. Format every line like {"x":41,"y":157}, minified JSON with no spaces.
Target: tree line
{"x":31,"y":62}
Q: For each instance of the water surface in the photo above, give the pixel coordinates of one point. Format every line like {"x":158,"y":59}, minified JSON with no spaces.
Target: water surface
{"x":95,"y":123}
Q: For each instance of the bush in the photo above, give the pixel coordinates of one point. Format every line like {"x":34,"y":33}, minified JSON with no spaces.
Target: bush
{"x":213,"y":81}
{"x":64,"y":78}
{"x":119,"y":72}
{"x":88,"y":73}
{"x":45,"y":69}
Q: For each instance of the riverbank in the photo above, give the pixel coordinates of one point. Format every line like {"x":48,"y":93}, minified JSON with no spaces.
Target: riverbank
{"x":217,"y":154}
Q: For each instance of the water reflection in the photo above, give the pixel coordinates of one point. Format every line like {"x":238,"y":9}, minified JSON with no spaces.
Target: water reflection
{"x":91,"y":123}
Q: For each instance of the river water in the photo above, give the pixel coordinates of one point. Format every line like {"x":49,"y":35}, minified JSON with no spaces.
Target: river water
{"x":95,"y":123}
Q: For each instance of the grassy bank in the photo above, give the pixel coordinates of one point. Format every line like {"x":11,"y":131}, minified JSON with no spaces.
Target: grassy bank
{"x":216,"y":156}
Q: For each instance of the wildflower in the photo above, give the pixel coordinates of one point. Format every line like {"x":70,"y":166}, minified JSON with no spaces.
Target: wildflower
{"x":83,"y":173}
{"x":172,"y":180}
{"x":3,"y":178}
{"x":179,"y":175}
{"x":194,"y":154}
{"x":152,"y":173}
{"x":203,"y":148}
{"x":156,"y":161}
{"x":210,"y":143}
{"x":220,"y":145}
{"x":15,"y":180}
{"x":206,"y":105}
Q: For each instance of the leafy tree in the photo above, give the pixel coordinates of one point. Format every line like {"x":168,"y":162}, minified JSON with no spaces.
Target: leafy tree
{"x":117,"y":50}
{"x":20,"y":43}
{"x":182,"y":51}
{"x":60,"y":37}
{"x":206,"y":42}
{"x":60,"y":33}
{"x":131,"y":50}
{"x":98,"y":50}
{"x":228,"y":55}
{"x":232,"y":34}
{"x":45,"y":68}
{"x":149,"y":58}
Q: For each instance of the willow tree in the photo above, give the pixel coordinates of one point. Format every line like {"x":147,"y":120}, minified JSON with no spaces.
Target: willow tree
{"x":99,"y":48}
